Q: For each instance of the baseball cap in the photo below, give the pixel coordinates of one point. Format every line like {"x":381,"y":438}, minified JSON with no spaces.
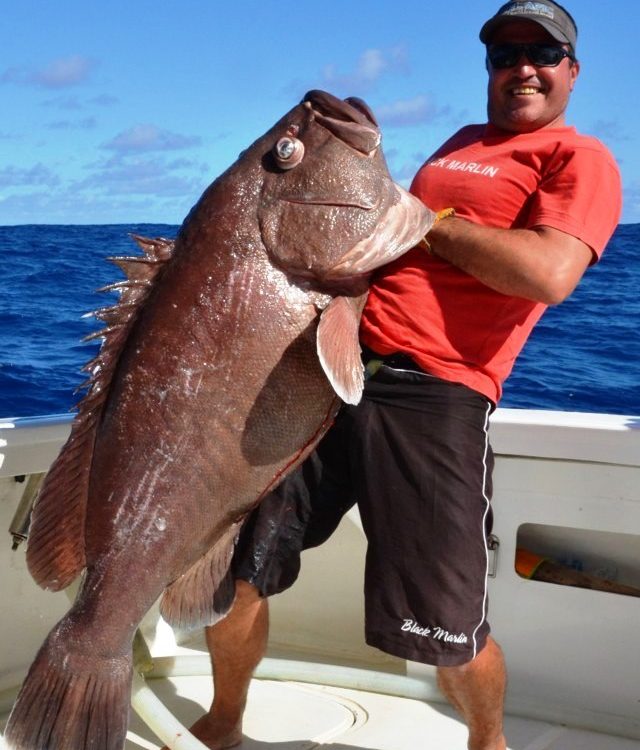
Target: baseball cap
{"x":551,"y":16}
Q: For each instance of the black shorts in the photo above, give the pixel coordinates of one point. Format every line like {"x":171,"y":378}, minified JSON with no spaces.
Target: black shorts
{"x":415,"y":455}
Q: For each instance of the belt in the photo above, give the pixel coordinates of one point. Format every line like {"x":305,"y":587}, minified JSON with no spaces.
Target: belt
{"x":396,"y":361}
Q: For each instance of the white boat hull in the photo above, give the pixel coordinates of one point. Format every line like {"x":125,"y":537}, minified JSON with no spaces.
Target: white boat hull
{"x":564,"y":484}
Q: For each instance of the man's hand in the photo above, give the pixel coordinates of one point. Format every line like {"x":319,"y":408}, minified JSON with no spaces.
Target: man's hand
{"x":542,"y":264}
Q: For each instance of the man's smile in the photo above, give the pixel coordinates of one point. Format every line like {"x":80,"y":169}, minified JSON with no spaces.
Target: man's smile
{"x":525,"y":90}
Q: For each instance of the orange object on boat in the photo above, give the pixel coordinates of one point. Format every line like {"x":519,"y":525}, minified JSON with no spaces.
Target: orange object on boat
{"x":527,"y":562}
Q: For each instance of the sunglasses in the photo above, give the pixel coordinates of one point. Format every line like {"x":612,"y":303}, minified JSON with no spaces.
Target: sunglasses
{"x":502,"y":56}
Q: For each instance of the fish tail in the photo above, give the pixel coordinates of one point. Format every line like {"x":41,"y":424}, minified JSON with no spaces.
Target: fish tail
{"x":71,"y":699}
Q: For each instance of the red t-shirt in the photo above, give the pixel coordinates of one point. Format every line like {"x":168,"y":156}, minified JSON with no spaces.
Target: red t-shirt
{"x":451,"y":324}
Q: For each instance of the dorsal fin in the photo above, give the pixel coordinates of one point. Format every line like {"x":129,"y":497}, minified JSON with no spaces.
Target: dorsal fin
{"x":55,"y":551}
{"x":156,"y":249}
{"x":137,"y":269}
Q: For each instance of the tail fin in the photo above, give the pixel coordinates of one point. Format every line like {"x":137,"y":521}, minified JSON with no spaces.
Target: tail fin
{"x":71,"y":700}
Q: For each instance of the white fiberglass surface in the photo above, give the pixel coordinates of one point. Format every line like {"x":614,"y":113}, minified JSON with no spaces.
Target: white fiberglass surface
{"x":293,"y":716}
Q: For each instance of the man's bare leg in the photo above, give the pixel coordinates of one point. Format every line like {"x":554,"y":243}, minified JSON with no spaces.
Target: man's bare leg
{"x":476,"y":690}
{"x":236,"y":644}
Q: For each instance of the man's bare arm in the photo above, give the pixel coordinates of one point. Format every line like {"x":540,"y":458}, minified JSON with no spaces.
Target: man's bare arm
{"x":542,"y":264}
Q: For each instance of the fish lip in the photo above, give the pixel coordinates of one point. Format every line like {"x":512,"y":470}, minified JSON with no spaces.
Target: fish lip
{"x":338,"y":204}
{"x":350,"y":120}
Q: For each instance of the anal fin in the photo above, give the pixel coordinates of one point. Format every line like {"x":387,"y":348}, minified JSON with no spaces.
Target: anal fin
{"x":204,"y":594}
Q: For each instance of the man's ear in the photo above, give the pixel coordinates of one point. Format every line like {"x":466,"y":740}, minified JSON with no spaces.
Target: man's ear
{"x":575,"y":70}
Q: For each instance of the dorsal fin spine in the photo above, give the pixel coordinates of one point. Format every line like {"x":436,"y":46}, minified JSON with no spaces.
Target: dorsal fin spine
{"x":159,"y":248}
{"x":55,"y":551}
{"x":120,"y":285}
{"x":141,"y":272}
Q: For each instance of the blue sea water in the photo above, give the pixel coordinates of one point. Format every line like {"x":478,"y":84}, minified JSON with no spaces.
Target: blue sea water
{"x":584,"y":355}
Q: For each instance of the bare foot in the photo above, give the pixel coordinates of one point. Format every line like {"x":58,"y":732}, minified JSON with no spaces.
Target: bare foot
{"x":500,"y":744}
{"x":215,"y":735}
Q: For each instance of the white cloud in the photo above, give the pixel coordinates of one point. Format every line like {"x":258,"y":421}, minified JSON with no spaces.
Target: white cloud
{"x":60,"y":73}
{"x":71,"y":103}
{"x":14,"y":177}
{"x":419,"y":109}
{"x":64,"y":72}
{"x":103,"y":100}
{"x":371,"y":65}
{"x":146,"y":137}
{"x":67,"y":207}
{"x":75,"y":103}
{"x":126,"y":174}
{"x":87,"y":123}
{"x":369,"y":68}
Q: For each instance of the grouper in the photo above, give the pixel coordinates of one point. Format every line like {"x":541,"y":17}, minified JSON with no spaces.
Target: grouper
{"x":222,"y":365}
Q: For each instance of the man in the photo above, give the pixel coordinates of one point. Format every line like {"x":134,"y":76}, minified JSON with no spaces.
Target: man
{"x":535,"y":204}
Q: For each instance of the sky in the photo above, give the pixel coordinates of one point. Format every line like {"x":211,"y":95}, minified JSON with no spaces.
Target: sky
{"x":123,"y":112}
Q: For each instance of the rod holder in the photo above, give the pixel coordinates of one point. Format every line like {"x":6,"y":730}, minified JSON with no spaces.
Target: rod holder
{"x":19,"y":526}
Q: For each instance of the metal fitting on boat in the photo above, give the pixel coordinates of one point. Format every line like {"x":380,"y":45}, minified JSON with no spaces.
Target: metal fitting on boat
{"x":19,"y":526}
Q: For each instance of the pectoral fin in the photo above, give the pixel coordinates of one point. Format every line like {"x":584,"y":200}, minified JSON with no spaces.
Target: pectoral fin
{"x":339,"y":348}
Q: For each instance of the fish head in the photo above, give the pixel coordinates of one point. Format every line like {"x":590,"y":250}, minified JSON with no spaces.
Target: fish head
{"x":329,"y":212}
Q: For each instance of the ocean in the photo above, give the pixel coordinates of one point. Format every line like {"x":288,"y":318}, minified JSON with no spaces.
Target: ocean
{"x":584,"y":355}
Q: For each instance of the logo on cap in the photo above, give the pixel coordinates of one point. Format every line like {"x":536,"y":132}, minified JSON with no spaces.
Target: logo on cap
{"x":534,"y":9}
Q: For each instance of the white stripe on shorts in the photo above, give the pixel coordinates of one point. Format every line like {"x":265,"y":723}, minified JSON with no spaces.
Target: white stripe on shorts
{"x":484,"y":529}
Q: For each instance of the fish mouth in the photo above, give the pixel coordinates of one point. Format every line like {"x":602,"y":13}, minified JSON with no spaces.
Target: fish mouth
{"x":350,"y":119}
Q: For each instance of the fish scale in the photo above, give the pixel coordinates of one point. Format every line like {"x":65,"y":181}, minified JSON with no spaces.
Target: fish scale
{"x":221,"y":368}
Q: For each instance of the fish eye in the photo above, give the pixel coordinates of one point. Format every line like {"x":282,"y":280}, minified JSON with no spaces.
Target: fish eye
{"x":288,"y":152}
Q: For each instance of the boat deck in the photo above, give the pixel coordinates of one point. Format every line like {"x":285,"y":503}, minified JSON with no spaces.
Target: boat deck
{"x":292,"y":715}
{"x":297,"y":716}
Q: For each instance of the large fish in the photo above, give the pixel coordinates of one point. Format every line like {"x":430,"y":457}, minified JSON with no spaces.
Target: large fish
{"x":221,"y":367}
